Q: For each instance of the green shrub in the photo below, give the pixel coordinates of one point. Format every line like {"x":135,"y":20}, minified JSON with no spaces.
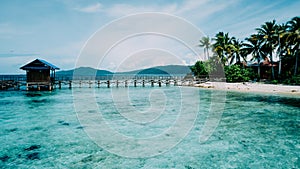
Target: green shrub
{"x":294,"y":80}
{"x":200,"y":69}
{"x":274,"y":82}
{"x":236,"y":73}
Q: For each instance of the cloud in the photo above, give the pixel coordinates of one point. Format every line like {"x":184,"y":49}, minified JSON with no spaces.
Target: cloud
{"x":11,"y":65}
{"x":190,"y":5}
{"x":146,"y":58}
{"x":141,"y":36}
{"x":10,"y":31}
{"x":91,"y":8}
{"x":119,"y":10}
{"x":191,"y":9}
{"x":9,"y":55}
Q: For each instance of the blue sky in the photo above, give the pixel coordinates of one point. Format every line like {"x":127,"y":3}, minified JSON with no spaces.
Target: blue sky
{"x":57,"y":30}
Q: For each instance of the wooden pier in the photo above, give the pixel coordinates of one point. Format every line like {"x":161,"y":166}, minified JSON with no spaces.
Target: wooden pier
{"x":119,"y":83}
{"x":9,"y":84}
{"x":84,"y":82}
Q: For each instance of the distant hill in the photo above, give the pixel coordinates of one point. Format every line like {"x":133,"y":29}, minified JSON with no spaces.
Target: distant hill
{"x":84,"y":71}
{"x":169,"y":69}
{"x":158,"y":70}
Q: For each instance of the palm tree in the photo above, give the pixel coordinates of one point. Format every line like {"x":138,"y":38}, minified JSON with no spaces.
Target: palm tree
{"x":205,"y":43}
{"x":254,"y":46}
{"x":281,"y":44}
{"x":294,"y":39}
{"x":237,"y":53}
{"x":267,"y":32}
{"x":223,"y":46}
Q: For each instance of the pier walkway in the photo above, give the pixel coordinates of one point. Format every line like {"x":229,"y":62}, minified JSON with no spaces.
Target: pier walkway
{"x":18,"y":82}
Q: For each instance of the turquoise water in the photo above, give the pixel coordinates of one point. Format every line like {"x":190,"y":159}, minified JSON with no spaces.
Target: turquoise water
{"x":42,"y":129}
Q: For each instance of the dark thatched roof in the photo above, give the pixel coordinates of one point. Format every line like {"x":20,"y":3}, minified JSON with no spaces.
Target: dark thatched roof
{"x":39,"y":64}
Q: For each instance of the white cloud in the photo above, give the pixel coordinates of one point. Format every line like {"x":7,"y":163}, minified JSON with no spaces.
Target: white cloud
{"x":91,"y":8}
{"x":10,"y":31}
{"x":191,"y":5}
{"x":130,"y":35}
{"x":119,"y":10}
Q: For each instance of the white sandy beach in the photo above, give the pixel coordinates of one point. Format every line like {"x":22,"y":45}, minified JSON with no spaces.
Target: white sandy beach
{"x":252,"y":87}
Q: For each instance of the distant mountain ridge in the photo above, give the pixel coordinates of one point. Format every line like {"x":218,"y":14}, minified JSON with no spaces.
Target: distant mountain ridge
{"x":168,"y":69}
{"x":157,"y":70}
{"x":83,"y":71}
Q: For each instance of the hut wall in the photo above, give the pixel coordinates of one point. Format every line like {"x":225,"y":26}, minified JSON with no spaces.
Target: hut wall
{"x":38,"y":76}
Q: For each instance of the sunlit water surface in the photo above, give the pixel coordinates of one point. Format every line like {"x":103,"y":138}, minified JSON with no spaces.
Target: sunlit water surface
{"x":41,"y":130}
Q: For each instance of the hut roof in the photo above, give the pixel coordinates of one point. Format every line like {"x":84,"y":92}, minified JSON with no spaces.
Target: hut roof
{"x":39,"y":64}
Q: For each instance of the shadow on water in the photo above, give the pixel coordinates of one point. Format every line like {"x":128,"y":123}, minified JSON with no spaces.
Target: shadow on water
{"x":269,"y":99}
{"x":39,"y":97}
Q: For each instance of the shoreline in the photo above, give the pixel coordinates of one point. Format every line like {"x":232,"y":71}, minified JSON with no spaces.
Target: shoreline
{"x":248,"y":87}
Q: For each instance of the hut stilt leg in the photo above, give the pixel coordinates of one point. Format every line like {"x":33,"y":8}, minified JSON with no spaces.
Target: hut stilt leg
{"x":108,"y":84}
{"x":70,"y":84}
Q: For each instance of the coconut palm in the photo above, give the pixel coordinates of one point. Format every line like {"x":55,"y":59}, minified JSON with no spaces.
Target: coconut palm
{"x":205,"y":43}
{"x":267,"y":33}
{"x":281,"y":44}
{"x":237,"y":54}
{"x":255,"y":47}
{"x":223,"y":46}
{"x":293,"y":38}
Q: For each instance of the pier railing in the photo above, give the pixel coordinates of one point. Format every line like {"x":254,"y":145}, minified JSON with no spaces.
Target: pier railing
{"x":17,"y":81}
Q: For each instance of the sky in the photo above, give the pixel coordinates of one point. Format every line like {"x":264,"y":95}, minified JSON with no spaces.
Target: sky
{"x":124,"y":35}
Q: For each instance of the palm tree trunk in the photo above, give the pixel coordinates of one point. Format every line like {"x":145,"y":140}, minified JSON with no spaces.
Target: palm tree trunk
{"x":279,"y":54}
{"x":272,"y":68}
{"x":296,"y":64}
{"x":279,"y":69}
{"x":207,"y":53}
{"x":258,"y":72}
{"x":258,"y":69}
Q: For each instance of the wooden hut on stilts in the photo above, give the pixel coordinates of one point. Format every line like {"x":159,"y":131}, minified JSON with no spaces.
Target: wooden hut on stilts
{"x":40,"y":75}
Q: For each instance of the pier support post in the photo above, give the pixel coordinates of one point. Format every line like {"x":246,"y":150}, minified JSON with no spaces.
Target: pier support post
{"x":159,"y":83}
{"x":175,"y":82}
{"x":70,"y":84}
{"x":18,"y":85}
{"x":90,"y":84}
{"x":126,"y":83}
{"x":167,"y":83}
{"x":152,"y":83}
{"x":134,"y":83}
{"x":98,"y":83}
{"x":108,"y":84}
{"x":59,"y":84}
{"x":79,"y":84}
{"x":117,"y":83}
{"x":143,"y":83}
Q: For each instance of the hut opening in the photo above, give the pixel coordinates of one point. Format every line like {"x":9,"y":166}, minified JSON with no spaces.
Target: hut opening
{"x":40,"y":75}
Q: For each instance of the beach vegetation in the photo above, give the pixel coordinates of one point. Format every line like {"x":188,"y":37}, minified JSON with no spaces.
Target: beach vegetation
{"x":200,"y":69}
{"x":236,"y":73}
{"x":205,"y":42}
{"x":272,"y":52}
